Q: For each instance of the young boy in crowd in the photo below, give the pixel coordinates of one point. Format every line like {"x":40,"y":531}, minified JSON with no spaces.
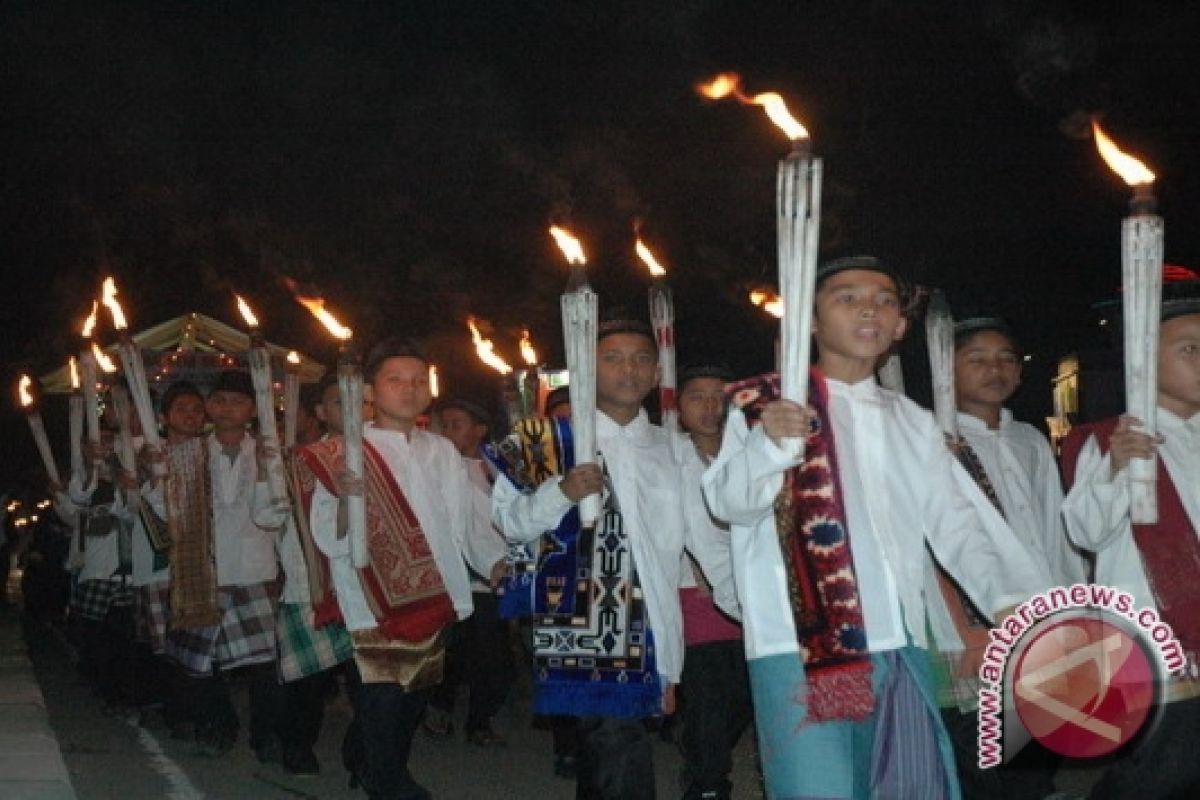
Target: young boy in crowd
{"x":414,"y":583}
{"x":716,"y":706}
{"x":223,"y":619}
{"x":829,"y":556}
{"x":1159,"y":564}
{"x":608,"y":645}
{"x":481,"y":656}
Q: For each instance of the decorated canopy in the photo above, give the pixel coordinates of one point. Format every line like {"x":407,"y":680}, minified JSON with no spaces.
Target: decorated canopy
{"x":193,"y":347}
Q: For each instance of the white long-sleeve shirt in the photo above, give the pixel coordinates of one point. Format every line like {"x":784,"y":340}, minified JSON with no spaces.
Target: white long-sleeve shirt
{"x":434,"y":480}
{"x":706,"y":541}
{"x":485,"y":542}
{"x":647,"y":483}
{"x":244,"y":521}
{"x":908,"y":490}
{"x":1017,"y":459}
{"x":1096,"y":509}
{"x":101,"y":556}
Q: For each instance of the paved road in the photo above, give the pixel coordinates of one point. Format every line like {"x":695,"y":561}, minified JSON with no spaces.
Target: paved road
{"x":113,"y":756}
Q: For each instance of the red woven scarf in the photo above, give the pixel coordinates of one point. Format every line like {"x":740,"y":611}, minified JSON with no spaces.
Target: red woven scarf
{"x":815,"y":542}
{"x":402,"y":583}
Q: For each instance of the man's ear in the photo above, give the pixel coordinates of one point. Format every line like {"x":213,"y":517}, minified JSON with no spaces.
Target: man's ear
{"x":368,"y":393}
{"x":901,"y":329}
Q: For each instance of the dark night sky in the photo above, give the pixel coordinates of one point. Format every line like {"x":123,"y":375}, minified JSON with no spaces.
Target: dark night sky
{"x":405,"y":158}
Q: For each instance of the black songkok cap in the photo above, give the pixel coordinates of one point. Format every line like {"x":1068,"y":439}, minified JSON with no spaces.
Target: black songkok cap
{"x":705,"y":369}
{"x":619,"y":319}
{"x":234,"y":380}
{"x":970,"y":326}
{"x":558,"y":397}
{"x":1179,"y":299}
{"x":868,"y":263}
{"x":471,"y":409}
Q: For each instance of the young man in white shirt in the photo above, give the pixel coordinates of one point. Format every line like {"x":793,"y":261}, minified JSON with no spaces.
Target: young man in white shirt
{"x":1159,"y":564}
{"x":414,"y":583}
{"x":829,"y":557}
{"x":608,"y":643}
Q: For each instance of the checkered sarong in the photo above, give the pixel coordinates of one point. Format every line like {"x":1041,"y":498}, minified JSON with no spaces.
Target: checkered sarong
{"x":93,"y":599}
{"x":153,"y":613}
{"x":305,"y":650}
{"x":245,"y":636}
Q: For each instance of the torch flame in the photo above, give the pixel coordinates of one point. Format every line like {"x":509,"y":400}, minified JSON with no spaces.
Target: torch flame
{"x":433,"y":380}
{"x":1130,"y":169}
{"x":648,"y":259}
{"x":528,"y":354}
{"x":74,"y":370}
{"x":247,"y":313}
{"x":89,"y":324}
{"x":109,"y":298}
{"x":729,"y":84}
{"x":570,"y":246}
{"x":293,"y":358}
{"x":106,"y":363}
{"x":486,"y":350}
{"x":767,"y":301}
{"x":23,"y":387}
{"x":316,"y":306}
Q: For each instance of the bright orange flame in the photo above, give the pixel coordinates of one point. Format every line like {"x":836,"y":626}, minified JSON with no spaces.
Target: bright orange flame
{"x":246,"y":311}
{"x":528,"y":354}
{"x":293,"y":358}
{"x":74,"y":370}
{"x":569,"y":245}
{"x":89,"y":324}
{"x":316,"y":306}
{"x":486,"y":350}
{"x":1130,"y":169}
{"x":106,"y":363}
{"x":109,"y":298}
{"x":23,"y":392}
{"x":767,"y":301}
{"x":433,"y":380}
{"x":729,"y":84}
{"x":648,"y":259}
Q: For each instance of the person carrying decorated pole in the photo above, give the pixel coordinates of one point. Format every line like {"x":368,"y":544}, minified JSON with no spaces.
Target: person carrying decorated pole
{"x":715,"y":703}
{"x":414,"y":583}
{"x":480,"y":653}
{"x":829,"y":555}
{"x":312,"y":645}
{"x":1157,"y":563}
{"x":224,"y":589}
{"x":607,"y":629}
{"x":181,"y":410}
{"x":102,"y":597}
{"x":976,"y":367}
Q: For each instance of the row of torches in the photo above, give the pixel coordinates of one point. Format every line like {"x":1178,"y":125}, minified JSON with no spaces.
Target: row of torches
{"x":798,"y":218}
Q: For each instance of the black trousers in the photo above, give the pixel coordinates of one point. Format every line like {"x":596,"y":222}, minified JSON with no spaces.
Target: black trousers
{"x":1030,"y":774}
{"x":479,"y":654}
{"x":615,"y":760}
{"x":106,"y":655}
{"x":207,"y":701}
{"x":715,"y":709}
{"x":1162,"y":763}
{"x":379,"y":740}
{"x":302,"y":709}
